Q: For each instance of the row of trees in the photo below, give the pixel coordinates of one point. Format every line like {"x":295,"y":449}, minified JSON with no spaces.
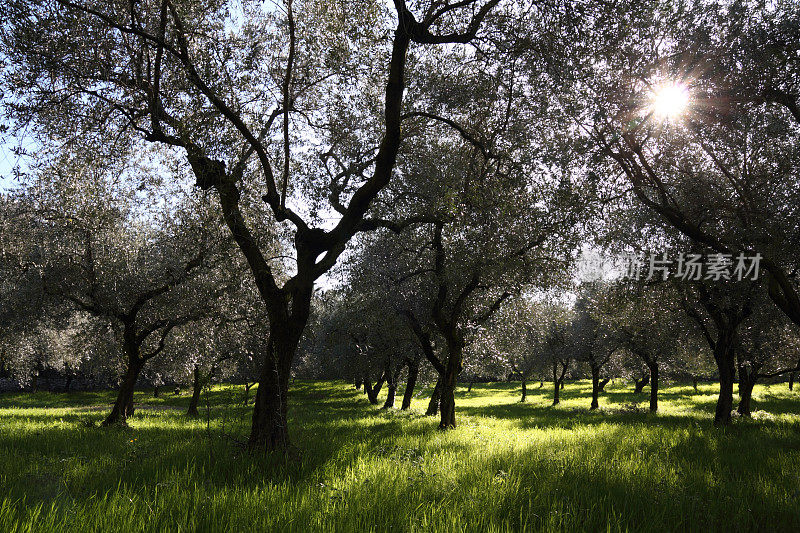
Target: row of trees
{"x":452,"y":158}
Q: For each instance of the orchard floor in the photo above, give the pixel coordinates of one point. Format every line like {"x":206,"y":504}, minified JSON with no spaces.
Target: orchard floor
{"x":507,"y":467}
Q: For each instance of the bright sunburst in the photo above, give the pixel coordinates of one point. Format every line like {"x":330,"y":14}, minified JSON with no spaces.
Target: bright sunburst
{"x":670,"y":100}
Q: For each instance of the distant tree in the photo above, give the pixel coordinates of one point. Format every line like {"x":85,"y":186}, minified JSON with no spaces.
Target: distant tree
{"x":141,"y":272}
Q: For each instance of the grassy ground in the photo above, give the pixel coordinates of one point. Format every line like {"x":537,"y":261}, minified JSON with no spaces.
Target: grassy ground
{"x":509,"y":466}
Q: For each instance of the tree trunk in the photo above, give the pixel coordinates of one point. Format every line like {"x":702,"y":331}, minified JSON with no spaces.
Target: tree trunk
{"x":411,"y":382}
{"x":196,"y":389}
{"x":270,"y":429}
{"x":654,"y":387}
{"x":123,"y":406}
{"x":155,"y":391}
{"x":791,"y":380}
{"x":68,"y":383}
{"x":358,"y":383}
{"x":524,"y":391}
{"x":595,"y":387}
{"x":561,"y":384}
{"x":448,"y":401}
{"x":724,"y":356}
{"x":247,"y":387}
{"x":436,"y":396}
{"x":372,"y":392}
{"x":640,"y":384}
{"x":392,"y":387}
{"x":602,"y":385}
{"x":469,"y":389}
{"x":556,"y":384}
{"x":747,"y":381}
{"x":694,"y":382}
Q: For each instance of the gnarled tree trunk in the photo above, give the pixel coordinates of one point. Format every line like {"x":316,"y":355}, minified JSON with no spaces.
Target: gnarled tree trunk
{"x":123,"y":405}
{"x":372,"y":392}
{"x":392,"y":387}
{"x":747,"y":380}
{"x":640,"y":384}
{"x":724,"y":355}
{"x":447,"y":407}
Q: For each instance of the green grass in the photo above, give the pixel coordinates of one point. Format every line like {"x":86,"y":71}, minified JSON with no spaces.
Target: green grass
{"x":508,"y":467}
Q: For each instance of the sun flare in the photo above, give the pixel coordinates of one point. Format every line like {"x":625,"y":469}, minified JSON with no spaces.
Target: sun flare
{"x":670,"y":100}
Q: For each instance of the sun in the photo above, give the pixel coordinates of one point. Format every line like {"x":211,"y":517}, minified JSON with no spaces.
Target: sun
{"x":670,"y":100}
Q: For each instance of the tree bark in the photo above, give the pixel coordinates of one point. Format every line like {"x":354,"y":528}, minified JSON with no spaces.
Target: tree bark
{"x":433,"y":404}
{"x":602,"y":385}
{"x":197,"y":387}
{"x":747,"y":381}
{"x":524,"y":391}
{"x":269,"y":429}
{"x":791,"y":380}
{"x":372,"y":392}
{"x":724,"y":356}
{"x":640,"y":384}
{"x":411,"y":382}
{"x":595,"y":387}
{"x":469,"y":389}
{"x":392,"y":387}
{"x":694,"y":382}
{"x":123,"y":406}
{"x":653,"y":387}
{"x":447,"y":407}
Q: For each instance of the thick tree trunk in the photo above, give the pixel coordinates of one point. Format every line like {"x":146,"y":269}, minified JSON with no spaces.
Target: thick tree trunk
{"x":653,"y":387}
{"x":640,"y":384}
{"x":602,"y":385}
{"x":436,"y":396}
{"x":411,"y":382}
{"x":269,"y":430}
{"x":123,"y":406}
{"x":447,"y":403}
{"x":392,"y":387}
{"x":447,"y":406}
{"x":372,"y":392}
{"x":595,"y":387}
{"x":724,"y":355}
{"x":197,"y":387}
{"x":747,"y":381}
{"x":524,"y":391}
{"x":791,"y":380}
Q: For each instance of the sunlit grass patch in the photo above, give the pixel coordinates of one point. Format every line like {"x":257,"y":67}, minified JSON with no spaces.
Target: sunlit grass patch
{"x":508,"y":466}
